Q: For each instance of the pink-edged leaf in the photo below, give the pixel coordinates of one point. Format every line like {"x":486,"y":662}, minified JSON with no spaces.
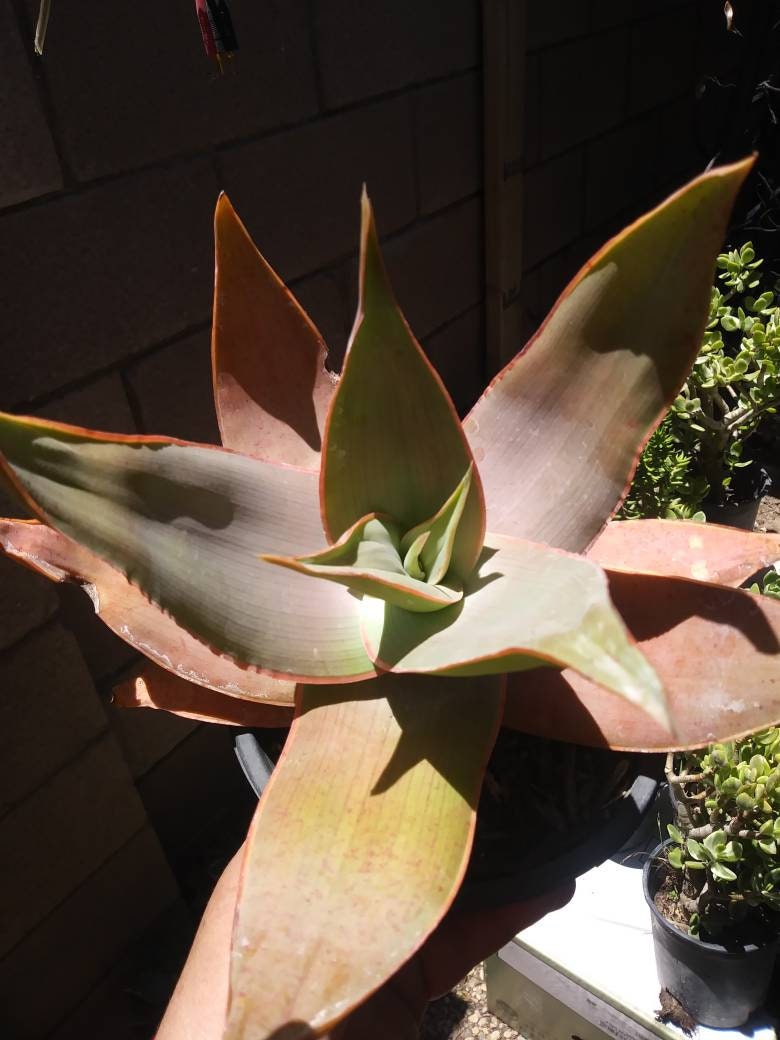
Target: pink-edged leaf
{"x":557,"y":434}
{"x":525,"y":605}
{"x":366,"y":559}
{"x":717,"y":651}
{"x":393,"y":441}
{"x":186,"y":524}
{"x":706,"y":552}
{"x":128,"y":613}
{"x":153,"y":687}
{"x":358,"y":847}
{"x":271,"y":387}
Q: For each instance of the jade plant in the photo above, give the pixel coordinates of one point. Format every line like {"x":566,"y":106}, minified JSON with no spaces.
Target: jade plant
{"x":398,"y":584}
{"x":697,"y":452}
{"x":724,"y":843}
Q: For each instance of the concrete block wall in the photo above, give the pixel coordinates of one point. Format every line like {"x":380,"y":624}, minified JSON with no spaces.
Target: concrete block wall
{"x":609,"y":128}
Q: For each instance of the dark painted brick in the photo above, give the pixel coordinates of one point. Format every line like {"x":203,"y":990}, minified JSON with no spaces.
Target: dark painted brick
{"x":532,"y":113}
{"x":28,"y":161}
{"x":128,"y":1003}
{"x":458,"y":353}
{"x":63,"y":832}
{"x":11,"y":504}
{"x":662,"y":65}
{"x":299,"y":191}
{"x":583,"y":89}
{"x":70,"y":951}
{"x":49,"y":711}
{"x":436,"y":267}
{"x":552,"y":207}
{"x":173,"y":389}
{"x":555,"y":21}
{"x":620,"y":171}
{"x":367,"y":47}
{"x":198,"y":782}
{"x":26,"y":601}
{"x":324,"y":298}
{"x":449,"y":141}
{"x":89,"y":279}
{"x":130,"y":90}
{"x":101,"y":405}
{"x":606,"y":14}
{"x":146,"y":735}
{"x":104,"y":652}
{"x":679,"y":145}
{"x":643,"y":8}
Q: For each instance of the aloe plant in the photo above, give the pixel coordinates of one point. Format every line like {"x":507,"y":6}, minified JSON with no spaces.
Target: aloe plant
{"x":332,"y":558}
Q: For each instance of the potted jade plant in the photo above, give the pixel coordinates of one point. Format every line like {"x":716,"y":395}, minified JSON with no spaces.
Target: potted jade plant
{"x":714,"y":887}
{"x":399,"y":585}
{"x":696,"y":465}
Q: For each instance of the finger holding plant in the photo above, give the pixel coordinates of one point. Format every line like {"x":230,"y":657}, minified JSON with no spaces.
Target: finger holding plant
{"x":356,"y":553}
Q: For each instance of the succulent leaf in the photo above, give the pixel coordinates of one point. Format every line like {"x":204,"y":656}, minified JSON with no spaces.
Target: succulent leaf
{"x":367,"y":560}
{"x":393,"y":441}
{"x":523,"y":601}
{"x":677,"y":548}
{"x":154,"y":687}
{"x":271,"y":388}
{"x":735,"y":635}
{"x":185,"y":524}
{"x":136,"y":619}
{"x":436,"y":536}
{"x":342,"y":834}
{"x":602,"y":371}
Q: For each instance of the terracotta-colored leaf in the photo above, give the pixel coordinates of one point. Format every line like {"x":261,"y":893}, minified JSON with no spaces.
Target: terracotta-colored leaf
{"x":129,"y":614}
{"x":676,"y":548}
{"x":271,"y":387}
{"x":526,"y":604}
{"x":187,"y":523}
{"x":358,"y":848}
{"x":557,"y":434}
{"x":717,"y":651}
{"x":393,"y":441}
{"x":153,"y":687}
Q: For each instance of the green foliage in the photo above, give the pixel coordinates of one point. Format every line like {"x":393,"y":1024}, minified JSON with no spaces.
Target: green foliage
{"x":726,"y":836}
{"x":770,"y":584}
{"x":666,"y":483}
{"x":734,"y":385}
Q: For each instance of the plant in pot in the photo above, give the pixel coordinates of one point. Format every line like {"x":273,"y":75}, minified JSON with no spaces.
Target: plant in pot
{"x":714,"y":887}
{"x":696,"y":459}
{"x":329,"y":565}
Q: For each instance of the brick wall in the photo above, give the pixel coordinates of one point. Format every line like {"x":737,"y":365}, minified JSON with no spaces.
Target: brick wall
{"x":114,"y":149}
{"x":610,"y":127}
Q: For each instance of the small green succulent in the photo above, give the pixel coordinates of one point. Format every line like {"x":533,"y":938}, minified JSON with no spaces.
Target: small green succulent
{"x":734,"y":384}
{"x":727,"y":833}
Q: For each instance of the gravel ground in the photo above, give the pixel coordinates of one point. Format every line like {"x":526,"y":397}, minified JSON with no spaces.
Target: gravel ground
{"x":463,"y":1014}
{"x":769,"y":514}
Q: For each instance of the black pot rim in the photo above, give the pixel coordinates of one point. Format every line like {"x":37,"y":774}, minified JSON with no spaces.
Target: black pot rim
{"x":655,"y":862}
{"x":602,"y":843}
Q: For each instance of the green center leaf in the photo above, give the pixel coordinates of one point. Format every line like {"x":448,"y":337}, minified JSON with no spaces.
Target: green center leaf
{"x":367,"y":559}
{"x":393,"y":442}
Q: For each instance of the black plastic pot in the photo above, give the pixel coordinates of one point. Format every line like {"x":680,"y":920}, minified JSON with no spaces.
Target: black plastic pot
{"x":743,"y":512}
{"x":596,"y":844}
{"x":718,"y":986}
